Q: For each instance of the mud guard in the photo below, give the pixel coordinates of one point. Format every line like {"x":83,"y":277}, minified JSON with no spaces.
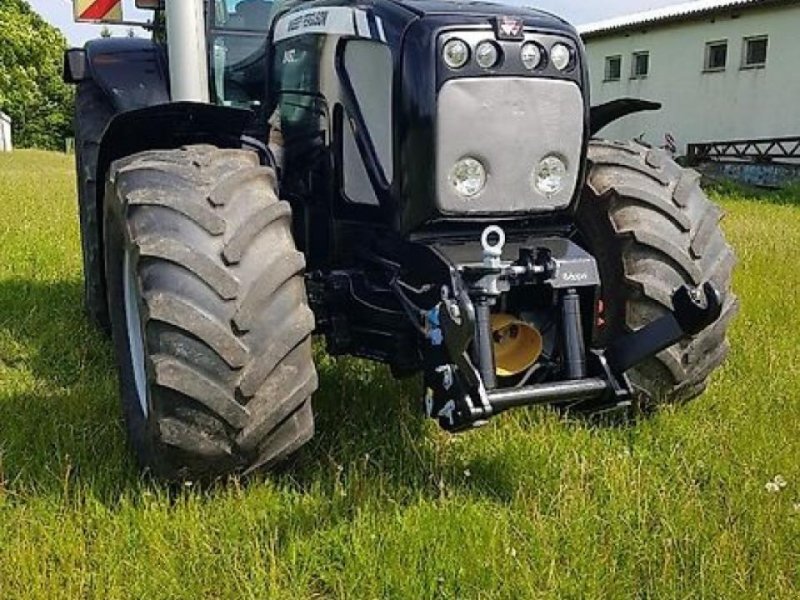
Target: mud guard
{"x":605,"y":114}
{"x":131,"y":72}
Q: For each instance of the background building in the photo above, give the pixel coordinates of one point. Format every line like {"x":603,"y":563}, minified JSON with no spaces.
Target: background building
{"x":723,"y":69}
{"x":5,"y":133}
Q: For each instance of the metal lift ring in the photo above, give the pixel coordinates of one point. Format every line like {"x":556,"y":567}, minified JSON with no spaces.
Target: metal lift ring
{"x":490,"y":249}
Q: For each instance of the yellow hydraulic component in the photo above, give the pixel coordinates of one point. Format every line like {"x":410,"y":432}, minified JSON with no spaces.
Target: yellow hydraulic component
{"x":517,"y":345}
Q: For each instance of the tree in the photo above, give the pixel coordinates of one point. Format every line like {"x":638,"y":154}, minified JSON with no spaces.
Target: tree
{"x":31,"y":90}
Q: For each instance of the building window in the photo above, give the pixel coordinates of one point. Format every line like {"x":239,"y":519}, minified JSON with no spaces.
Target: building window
{"x":641,"y":65}
{"x":716,"y":56}
{"x":613,"y":68}
{"x":755,"y":52}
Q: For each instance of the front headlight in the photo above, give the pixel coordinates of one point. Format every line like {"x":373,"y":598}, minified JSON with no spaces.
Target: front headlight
{"x":468,"y":177}
{"x":531,"y":55}
{"x":487,"y":54}
{"x":561,"y":57}
{"x":455,"y":53}
{"x":549,"y":174}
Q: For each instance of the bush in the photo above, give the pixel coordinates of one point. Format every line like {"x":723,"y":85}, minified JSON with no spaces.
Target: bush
{"x":31,"y":90}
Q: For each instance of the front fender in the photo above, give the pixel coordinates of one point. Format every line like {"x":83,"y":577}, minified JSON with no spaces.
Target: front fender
{"x":605,"y":114}
{"x":168,"y":126}
{"x":131,"y":72}
{"x":165,"y":127}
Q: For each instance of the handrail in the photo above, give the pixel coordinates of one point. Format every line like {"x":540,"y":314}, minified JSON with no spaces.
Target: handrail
{"x":780,"y":150}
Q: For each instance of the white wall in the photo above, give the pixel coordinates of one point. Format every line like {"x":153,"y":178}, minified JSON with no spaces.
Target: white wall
{"x":5,"y":133}
{"x":733,"y":104}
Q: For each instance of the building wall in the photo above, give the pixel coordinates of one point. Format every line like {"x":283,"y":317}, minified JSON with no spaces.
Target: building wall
{"x":5,"y":133}
{"x":732,"y":104}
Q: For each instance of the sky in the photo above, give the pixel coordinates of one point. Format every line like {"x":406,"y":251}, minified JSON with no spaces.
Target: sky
{"x":579,"y":12}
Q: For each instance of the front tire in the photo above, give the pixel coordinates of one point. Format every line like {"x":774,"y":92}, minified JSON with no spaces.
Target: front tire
{"x":209,"y":313}
{"x":652,"y":229}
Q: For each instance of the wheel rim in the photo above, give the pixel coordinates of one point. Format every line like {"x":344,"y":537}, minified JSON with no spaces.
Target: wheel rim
{"x":133,"y":324}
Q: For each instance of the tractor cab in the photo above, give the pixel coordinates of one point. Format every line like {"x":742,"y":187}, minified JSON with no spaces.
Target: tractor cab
{"x":231,"y":68}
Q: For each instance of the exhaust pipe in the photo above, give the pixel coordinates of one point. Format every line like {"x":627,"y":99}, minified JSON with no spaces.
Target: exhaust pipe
{"x":187,"y":47}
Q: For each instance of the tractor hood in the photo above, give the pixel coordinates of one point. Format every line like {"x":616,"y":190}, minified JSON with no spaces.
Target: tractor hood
{"x":513,"y":120}
{"x":423,"y":8}
{"x":366,"y":99}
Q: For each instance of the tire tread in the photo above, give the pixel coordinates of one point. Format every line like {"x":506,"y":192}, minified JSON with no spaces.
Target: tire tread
{"x":651,"y":216}
{"x":231,"y":389}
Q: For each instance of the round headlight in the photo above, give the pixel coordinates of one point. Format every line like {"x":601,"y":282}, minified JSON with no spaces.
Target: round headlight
{"x":468,"y":177}
{"x":561,"y":56}
{"x":548,"y":178}
{"x":487,"y":54}
{"x":531,"y":55}
{"x":455,"y":53}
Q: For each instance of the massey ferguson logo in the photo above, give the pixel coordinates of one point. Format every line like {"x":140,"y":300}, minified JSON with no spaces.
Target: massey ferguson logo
{"x":508,"y":28}
{"x":308,"y":20}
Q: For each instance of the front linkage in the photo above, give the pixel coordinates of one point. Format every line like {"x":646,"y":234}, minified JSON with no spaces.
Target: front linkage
{"x":461,"y":387}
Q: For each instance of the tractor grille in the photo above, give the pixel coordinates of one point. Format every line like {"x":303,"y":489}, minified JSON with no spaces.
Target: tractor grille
{"x":510,"y":124}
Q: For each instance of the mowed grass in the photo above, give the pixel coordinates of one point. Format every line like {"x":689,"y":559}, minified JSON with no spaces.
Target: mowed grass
{"x":381,"y":504}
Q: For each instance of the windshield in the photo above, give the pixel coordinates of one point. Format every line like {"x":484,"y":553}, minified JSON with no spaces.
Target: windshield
{"x":242,"y":15}
{"x":238,"y":48}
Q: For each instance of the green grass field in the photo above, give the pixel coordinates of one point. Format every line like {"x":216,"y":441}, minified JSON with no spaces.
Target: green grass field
{"x":381,"y":504}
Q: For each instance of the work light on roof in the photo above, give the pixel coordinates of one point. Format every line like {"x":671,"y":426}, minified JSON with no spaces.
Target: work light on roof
{"x":561,"y":57}
{"x":487,"y":54}
{"x":455,"y":53}
{"x":531,"y":55}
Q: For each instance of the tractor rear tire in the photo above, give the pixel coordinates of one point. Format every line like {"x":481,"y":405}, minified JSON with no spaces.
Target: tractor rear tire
{"x":92,"y":115}
{"x":209,"y":313}
{"x":652,"y":229}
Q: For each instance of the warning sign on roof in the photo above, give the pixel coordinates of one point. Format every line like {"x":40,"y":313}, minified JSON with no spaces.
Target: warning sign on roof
{"x":98,"y":11}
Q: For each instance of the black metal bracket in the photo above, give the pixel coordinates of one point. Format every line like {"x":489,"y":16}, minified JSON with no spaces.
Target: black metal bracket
{"x":694,"y":309}
{"x":461,"y":387}
{"x":456,"y":393}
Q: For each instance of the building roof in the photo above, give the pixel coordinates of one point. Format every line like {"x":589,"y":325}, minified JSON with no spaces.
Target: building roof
{"x":670,"y":14}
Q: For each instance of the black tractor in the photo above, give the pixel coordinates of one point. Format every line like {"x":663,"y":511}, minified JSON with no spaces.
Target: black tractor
{"x":417,"y":181}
